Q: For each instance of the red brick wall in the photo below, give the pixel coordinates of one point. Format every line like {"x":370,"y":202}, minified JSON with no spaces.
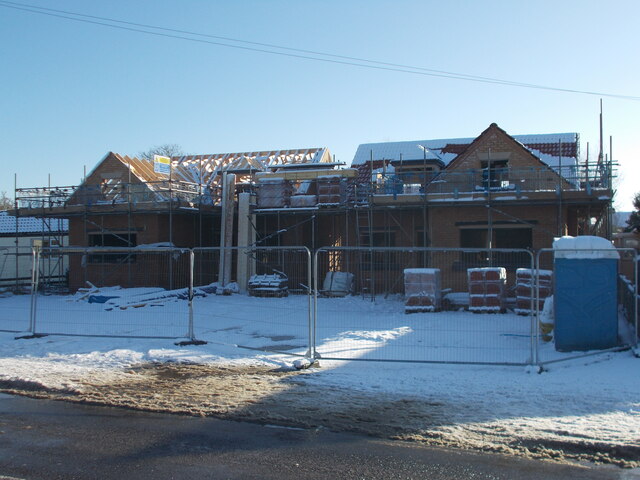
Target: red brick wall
{"x":148,"y":269}
{"x":445,"y":233}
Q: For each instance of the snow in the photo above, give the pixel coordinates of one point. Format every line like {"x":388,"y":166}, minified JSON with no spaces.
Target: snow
{"x":407,"y":150}
{"x":155,"y":245}
{"x":271,"y":181}
{"x":329,"y":177}
{"x":298,"y":201}
{"x":421,"y":270}
{"x":288,"y":209}
{"x":546,"y":316}
{"x":31,"y":225}
{"x":499,"y":270}
{"x":432,"y":149}
{"x":585,"y":246}
{"x":534,"y":271}
{"x":593,"y":400}
{"x":564,"y":138}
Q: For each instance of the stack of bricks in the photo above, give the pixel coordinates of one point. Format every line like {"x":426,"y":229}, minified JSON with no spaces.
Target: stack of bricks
{"x":331,"y":189}
{"x":526,"y":289}
{"x":302,"y":201}
{"x":422,"y":288}
{"x":274,"y":193}
{"x":487,"y":289}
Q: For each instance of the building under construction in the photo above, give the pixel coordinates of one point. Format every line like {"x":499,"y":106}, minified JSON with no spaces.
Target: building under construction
{"x":492,"y":191}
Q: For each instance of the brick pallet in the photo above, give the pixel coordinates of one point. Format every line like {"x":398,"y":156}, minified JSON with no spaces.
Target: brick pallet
{"x":274,"y":285}
{"x":526,"y":289}
{"x":331,"y":189}
{"x":423,"y":290}
{"x":487,"y":289}
{"x":274,"y":193}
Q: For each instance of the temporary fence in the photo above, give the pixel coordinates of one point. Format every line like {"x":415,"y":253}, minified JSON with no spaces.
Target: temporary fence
{"x":14,"y":312}
{"x":16,"y":271}
{"x":437,"y":305}
{"x":423,"y":305}
{"x":262,"y":298}
{"x":4,"y":262}
{"x":16,"y":264}
{"x":250,"y":297}
{"x":588,"y":302}
{"x":130,"y":292}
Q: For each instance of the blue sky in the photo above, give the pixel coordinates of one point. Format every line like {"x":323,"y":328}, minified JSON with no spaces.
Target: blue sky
{"x":71,"y":91}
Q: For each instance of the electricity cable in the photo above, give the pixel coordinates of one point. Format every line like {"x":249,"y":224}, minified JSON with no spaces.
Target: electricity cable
{"x":303,"y":54}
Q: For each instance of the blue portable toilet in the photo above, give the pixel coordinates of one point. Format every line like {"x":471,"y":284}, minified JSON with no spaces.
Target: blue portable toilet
{"x":585,"y":296}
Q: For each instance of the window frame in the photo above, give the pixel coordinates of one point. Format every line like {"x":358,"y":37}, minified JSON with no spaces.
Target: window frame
{"x":495,"y":174}
{"x":116,"y":240}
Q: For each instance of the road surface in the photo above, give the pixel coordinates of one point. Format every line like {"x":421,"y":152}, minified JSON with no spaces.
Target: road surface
{"x":43,"y":439}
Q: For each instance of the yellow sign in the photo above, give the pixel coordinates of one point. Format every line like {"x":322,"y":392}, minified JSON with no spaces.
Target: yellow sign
{"x":161,"y":164}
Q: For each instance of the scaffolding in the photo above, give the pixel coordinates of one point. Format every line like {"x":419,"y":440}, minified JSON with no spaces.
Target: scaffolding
{"x":299,"y":197}
{"x":15,"y":268}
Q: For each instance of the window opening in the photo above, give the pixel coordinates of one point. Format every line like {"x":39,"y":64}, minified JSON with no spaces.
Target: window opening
{"x":503,"y":238}
{"x":495,"y":174}
{"x":112,"y":240}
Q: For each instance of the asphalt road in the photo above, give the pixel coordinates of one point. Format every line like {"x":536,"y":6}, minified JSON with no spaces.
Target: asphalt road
{"x":41,"y":439}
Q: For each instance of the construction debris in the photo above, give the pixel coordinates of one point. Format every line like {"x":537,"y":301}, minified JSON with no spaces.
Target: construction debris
{"x":125,"y":298}
{"x":337,"y":284}
{"x":274,"y":285}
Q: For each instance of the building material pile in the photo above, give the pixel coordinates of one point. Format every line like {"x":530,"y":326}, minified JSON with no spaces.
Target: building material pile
{"x":331,"y":189}
{"x":423,"y":290}
{"x":274,"y":285}
{"x":526,"y":289}
{"x":274,"y":193}
{"x":137,"y":297}
{"x":303,"y":201}
{"x":337,"y":284}
{"x":487,"y":288}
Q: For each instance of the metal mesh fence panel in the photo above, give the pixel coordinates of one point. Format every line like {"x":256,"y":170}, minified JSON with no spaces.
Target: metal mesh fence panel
{"x":116,"y":292}
{"x":7,"y":267}
{"x":15,"y":301}
{"x":423,"y":305}
{"x":590,"y":305}
{"x":14,"y":308}
{"x":15,"y":269}
{"x":14,"y":312}
{"x":264,"y":303}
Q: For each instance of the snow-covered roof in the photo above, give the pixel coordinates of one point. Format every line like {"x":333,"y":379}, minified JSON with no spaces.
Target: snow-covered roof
{"x":547,"y":138}
{"x":547,"y":147}
{"x":443,"y":150}
{"x":31,"y":225}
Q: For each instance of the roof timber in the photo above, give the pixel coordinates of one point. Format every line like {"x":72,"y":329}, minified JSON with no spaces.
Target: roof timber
{"x":194,"y":181}
{"x":207,"y":167}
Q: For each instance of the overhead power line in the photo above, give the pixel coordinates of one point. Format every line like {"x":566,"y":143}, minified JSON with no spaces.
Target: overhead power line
{"x":261,"y":44}
{"x":268,"y":48}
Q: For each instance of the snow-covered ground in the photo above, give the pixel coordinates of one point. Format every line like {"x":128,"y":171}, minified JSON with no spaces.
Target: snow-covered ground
{"x":586,"y":408}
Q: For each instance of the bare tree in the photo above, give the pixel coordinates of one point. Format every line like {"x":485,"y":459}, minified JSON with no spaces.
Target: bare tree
{"x":166,"y":150}
{"x":5,"y":202}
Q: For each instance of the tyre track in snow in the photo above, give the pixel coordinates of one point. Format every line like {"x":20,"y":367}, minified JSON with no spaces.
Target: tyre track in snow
{"x":284,"y":397}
